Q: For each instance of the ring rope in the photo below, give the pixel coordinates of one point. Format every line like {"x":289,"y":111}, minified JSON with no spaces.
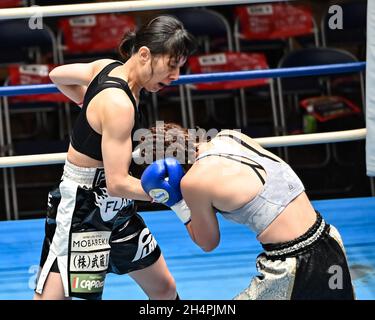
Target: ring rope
{"x":115,"y":6}
{"x":281,"y":141}
{"x":217,"y":77}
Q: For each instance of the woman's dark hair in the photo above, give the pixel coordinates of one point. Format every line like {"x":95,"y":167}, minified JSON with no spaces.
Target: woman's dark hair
{"x":162,"y":35}
{"x":171,"y":140}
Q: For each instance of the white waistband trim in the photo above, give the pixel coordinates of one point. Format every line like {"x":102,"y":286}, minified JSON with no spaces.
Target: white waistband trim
{"x":80,"y":174}
{"x":301,"y":244}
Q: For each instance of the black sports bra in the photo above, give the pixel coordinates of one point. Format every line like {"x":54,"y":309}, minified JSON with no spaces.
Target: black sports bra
{"x":83,"y":138}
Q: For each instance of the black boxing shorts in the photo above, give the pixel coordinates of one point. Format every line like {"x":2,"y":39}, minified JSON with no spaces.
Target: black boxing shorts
{"x":89,"y":233}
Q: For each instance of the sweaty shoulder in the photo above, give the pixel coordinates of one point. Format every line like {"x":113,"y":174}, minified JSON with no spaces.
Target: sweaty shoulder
{"x":115,"y":109}
{"x":117,"y":98}
{"x":100,"y":64}
{"x":115,"y":103}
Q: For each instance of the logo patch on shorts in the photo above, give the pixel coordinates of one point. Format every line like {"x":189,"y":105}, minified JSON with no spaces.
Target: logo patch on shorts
{"x":89,"y":251}
{"x":90,"y":261}
{"x":146,"y":244}
{"x":109,"y":206}
{"x":90,"y":241}
{"x":87,"y":283}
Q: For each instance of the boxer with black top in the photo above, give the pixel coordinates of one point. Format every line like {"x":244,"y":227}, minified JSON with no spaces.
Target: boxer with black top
{"x":92,"y":225}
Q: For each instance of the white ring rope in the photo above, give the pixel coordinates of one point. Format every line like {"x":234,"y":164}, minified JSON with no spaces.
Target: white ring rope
{"x":313,"y":138}
{"x":115,"y":6}
{"x":281,"y":141}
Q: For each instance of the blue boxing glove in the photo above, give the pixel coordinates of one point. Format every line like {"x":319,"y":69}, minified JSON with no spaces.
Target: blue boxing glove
{"x":161,"y":180}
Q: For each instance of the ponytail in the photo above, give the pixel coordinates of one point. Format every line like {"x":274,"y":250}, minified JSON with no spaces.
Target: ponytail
{"x":126,"y":47}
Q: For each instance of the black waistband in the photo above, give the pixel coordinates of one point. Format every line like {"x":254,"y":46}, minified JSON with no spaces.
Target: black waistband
{"x":301,"y":243}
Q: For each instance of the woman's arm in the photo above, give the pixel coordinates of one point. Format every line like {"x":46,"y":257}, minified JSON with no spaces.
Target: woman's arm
{"x":117,"y":123}
{"x":72,"y":79}
{"x":203,"y":227}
